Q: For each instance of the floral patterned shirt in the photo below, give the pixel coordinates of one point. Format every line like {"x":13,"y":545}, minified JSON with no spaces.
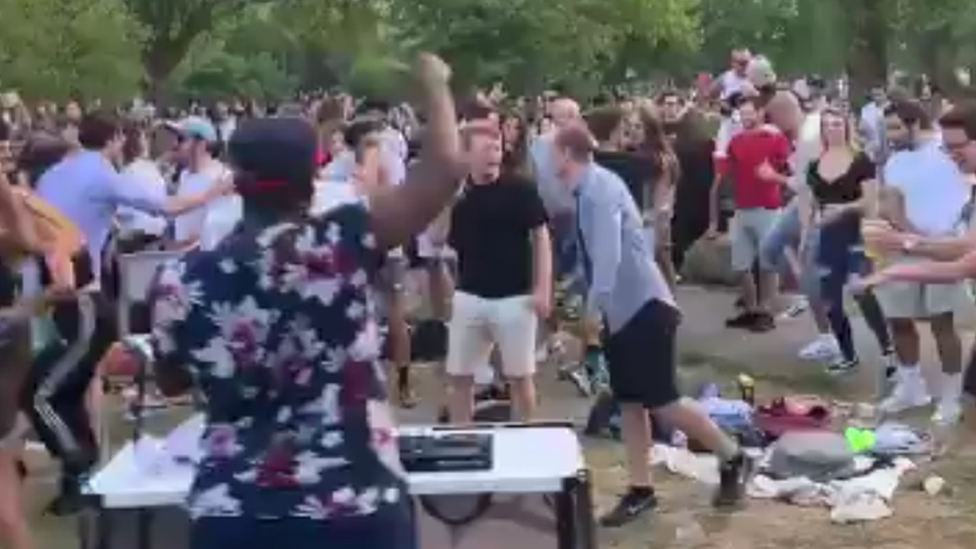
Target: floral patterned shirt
{"x":277,"y":327}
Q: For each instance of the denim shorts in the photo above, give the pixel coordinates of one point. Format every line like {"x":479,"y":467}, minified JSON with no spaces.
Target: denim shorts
{"x":784,"y":234}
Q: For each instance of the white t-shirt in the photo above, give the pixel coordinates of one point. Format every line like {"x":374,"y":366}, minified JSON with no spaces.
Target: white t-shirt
{"x":144,"y":172}
{"x":332,"y":194}
{"x":190,"y":225}
{"x":222,"y":216}
{"x":807,"y":149}
{"x":871,"y":125}
{"x":732,"y":82}
{"x":934,"y":189}
{"x":727,"y":129}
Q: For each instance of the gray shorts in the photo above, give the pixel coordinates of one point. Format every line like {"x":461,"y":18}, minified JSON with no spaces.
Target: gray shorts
{"x":747,"y":230}
{"x":915,"y":301}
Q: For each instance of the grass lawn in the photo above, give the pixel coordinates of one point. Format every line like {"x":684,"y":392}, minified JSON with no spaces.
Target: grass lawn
{"x":685,"y":520}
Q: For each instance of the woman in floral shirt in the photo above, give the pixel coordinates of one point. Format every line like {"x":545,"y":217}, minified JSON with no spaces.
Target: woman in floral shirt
{"x":277,"y":328}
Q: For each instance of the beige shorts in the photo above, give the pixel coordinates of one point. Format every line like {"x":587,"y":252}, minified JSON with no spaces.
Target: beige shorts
{"x":912,"y":300}
{"x":478,"y":324}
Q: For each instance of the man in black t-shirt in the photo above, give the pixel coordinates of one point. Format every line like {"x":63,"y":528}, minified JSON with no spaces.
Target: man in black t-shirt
{"x":504,"y":285}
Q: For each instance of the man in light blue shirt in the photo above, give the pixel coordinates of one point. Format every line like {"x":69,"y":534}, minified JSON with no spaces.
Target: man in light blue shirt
{"x":87,"y":189}
{"x":640,"y":318}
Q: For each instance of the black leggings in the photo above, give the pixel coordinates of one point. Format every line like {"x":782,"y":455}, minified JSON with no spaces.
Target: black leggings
{"x":55,"y":391}
{"x":840,"y":255}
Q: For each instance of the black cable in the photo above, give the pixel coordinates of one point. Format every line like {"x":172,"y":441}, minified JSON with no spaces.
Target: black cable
{"x":482,"y":504}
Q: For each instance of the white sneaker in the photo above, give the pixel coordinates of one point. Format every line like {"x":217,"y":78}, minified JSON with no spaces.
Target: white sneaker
{"x":949,"y":408}
{"x":909,"y":392}
{"x":825,"y":347}
{"x":797,"y":306}
{"x":947,"y":412}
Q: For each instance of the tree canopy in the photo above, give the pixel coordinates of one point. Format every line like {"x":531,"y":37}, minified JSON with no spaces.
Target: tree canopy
{"x":114,"y":49}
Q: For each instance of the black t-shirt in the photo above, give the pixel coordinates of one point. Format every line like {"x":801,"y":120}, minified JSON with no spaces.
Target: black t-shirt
{"x":491,"y":231}
{"x":635,"y":170}
{"x":846,"y":187}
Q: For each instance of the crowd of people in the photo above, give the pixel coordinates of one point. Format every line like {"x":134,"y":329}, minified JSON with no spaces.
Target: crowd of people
{"x":300,"y":228}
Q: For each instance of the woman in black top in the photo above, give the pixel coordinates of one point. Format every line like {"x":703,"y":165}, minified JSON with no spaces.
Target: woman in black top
{"x":843,"y":189}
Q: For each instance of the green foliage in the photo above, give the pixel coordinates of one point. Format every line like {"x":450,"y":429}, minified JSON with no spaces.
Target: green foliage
{"x":58,"y":48}
{"x":113,"y":49}
{"x":531,"y":44}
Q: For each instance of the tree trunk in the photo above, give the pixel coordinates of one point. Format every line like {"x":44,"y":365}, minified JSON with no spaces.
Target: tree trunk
{"x":867,"y":64}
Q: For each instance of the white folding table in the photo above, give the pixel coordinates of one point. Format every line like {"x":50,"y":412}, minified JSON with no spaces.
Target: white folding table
{"x":543,"y":458}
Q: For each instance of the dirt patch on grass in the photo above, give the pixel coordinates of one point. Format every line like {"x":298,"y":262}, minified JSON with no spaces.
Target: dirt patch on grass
{"x":686,"y":519}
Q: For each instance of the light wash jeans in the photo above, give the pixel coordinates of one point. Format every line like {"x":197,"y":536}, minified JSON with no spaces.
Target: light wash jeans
{"x":786,"y":234}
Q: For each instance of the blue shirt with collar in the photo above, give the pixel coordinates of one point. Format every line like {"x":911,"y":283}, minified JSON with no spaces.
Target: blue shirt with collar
{"x":87,"y":189}
{"x":617,"y":257}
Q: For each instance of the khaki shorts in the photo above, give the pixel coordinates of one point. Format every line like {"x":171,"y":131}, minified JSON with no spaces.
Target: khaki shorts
{"x":912,"y":300}
{"x":747,"y":230}
{"x":478,"y":324}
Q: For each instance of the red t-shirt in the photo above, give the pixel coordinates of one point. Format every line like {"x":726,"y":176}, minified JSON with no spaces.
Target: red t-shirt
{"x":747,"y":151}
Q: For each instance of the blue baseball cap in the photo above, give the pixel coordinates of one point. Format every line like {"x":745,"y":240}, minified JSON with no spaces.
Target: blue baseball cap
{"x":196,"y":127}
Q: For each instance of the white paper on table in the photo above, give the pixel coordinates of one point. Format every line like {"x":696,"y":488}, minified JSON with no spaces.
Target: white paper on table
{"x":183,"y":443}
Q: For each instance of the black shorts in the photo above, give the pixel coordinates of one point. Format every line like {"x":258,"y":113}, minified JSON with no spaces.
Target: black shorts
{"x":641,"y":357}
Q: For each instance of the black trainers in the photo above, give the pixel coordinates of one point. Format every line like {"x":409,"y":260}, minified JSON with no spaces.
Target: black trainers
{"x":762,"y":322}
{"x":631,"y":505}
{"x":733,"y":476}
{"x":753,"y":321}
{"x":67,"y":503}
{"x":741,"y":320}
{"x":842,"y":366}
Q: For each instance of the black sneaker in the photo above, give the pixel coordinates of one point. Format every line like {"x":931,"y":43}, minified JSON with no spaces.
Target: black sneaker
{"x":67,"y":503}
{"x":744,"y":319}
{"x":890,"y":364}
{"x":762,"y":322}
{"x":842,"y":366}
{"x":631,"y":505}
{"x":733,"y":476}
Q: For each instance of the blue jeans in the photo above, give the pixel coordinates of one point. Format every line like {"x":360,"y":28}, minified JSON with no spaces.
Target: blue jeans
{"x":393,"y":529}
{"x":786,"y":233}
{"x":841,"y":255}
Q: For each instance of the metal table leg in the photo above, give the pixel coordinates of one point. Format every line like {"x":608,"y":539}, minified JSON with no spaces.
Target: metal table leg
{"x":585,"y":521}
{"x":566,"y":515}
{"x":575,"y":527}
{"x":144,"y":524}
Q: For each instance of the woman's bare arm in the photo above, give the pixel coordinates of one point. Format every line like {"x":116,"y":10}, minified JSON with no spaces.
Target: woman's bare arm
{"x":432,"y":182}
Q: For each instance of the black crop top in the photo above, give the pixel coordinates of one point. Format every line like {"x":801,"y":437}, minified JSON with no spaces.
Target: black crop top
{"x":845,"y":188}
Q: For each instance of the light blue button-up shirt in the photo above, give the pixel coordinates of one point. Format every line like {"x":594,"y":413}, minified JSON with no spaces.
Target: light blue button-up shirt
{"x":555,"y":196}
{"x":87,"y":189}
{"x":617,"y":256}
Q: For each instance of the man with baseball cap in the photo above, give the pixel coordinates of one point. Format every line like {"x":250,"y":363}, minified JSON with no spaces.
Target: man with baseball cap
{"x":201,"y":171}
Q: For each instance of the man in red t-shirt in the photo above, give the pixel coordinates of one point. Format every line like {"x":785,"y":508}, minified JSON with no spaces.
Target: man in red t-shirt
{"x":758,"y":166}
